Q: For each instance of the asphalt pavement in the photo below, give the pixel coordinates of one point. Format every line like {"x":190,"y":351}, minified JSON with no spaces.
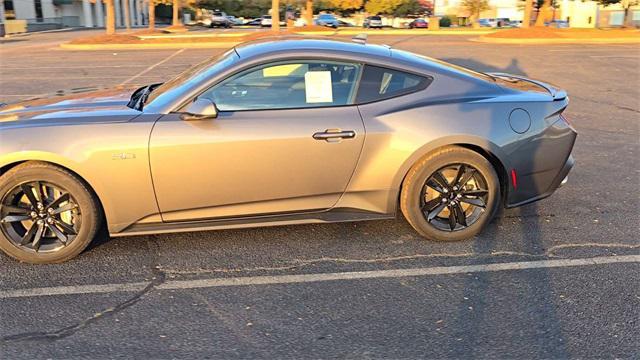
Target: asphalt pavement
{"x":554,"y":279}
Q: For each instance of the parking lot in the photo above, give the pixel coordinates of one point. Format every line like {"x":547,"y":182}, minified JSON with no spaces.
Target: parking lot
{"x":554,"y":279}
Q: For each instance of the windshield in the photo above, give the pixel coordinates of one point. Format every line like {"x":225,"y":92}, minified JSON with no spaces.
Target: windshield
{"x":375,"y":18}
{"x":192,"y":73}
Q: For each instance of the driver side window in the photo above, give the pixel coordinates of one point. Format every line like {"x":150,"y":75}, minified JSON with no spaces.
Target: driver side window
{"x":287,"y":85}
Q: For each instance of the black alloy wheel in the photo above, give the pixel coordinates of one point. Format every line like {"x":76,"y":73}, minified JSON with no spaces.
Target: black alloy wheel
{"x":40,"y":217}
{"x":454,"y":197}
{"x":451,"y":194}
{"x":48,"y":214}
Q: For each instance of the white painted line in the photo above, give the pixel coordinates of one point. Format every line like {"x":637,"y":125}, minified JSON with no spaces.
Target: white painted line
{"x":72,"y":290}
{"x":308,"y":278}
{"x":152,"y":67}
{"x":614,"y":56}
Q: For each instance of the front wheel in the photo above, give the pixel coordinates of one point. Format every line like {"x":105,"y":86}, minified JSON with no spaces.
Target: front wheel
{"x":451,"y":194}
{"x":47,"y":214}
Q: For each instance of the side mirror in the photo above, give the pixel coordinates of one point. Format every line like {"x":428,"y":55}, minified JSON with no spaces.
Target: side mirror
{"x":199,"y":109}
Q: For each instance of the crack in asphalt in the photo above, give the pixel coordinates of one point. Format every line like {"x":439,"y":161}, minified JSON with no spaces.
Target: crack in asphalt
{"x":161,"y":274}
{"x":298,"y":263}
{"x":620,"y":107}
{"x":157,"y":279}
{"x":66,"y":331}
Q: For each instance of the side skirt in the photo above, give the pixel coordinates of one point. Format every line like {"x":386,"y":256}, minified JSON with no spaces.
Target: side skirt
{"x":331,"y":216}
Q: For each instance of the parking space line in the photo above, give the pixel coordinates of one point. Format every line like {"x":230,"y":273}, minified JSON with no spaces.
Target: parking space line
{"x":152,"y":67}
{"x":310,"y":278}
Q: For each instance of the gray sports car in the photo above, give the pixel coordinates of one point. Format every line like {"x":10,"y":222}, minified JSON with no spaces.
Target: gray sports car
{"x":284,"y":131}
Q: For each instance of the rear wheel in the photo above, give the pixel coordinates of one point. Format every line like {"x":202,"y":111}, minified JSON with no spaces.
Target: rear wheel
{"x":451,"y":194}
{"x":47,"y":214}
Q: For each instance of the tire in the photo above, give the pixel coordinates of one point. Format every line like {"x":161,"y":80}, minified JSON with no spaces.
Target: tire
{"x":419,"y":201}
{"x":78,"y":225}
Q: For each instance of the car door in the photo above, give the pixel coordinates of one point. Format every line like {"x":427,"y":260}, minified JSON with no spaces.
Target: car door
{"x":286,"y":139}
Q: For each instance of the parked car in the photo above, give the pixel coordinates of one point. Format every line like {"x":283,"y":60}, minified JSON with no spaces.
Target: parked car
{"x":515,"y":23}
{"x":254,"y":22}
{"x":448,"y":146}
{"x":560,"y":24}
{"x":266,"y":21}
{"x":373,"y":22}
{"x":234,"y":20}
{"x":502,"y":22}
{"x":220,"y":19}
{"x":494,"y":22}
{"x":328,"y":20}
{"x":418,"y":24}
{"x":485,"y":22}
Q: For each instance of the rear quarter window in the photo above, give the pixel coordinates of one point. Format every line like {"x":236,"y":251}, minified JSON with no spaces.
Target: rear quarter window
{"x":379,"y":83}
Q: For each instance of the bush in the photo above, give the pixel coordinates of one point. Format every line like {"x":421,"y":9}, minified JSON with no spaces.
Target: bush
{"x":445,"y":21}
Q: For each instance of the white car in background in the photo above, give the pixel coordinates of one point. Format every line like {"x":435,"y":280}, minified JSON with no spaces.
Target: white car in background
{"x":219,"y":18}
{"x":266,"y":21}
{"x":373,"y":22}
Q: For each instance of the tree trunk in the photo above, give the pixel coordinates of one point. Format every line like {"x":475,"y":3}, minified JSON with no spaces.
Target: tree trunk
{"x":543,"y":13}
{"x":176,"y":13}
{"x":275,"y":15}
{"x":309,"y":14}
{"x":152,"y":15}
{"x":127,"y":17}
{"x":110,"y":23}
{"x":528,"y":8}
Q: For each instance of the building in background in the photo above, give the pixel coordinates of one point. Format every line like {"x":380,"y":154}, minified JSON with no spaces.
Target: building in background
{"x":579,"y":13}
{"x":589,"y":14}
{"x":56,"y":14}
{"x":498,"y":9}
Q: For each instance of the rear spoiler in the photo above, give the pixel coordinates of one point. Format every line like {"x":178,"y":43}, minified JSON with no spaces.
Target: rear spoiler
{"x":556,"y":93}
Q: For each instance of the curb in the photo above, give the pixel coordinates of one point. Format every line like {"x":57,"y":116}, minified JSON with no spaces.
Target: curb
{"x":203,"y":45}
{"x":417,"y":32}
{"x":557,"y":41}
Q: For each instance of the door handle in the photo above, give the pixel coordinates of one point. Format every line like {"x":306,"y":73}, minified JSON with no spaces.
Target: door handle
{"x":332,"y":135}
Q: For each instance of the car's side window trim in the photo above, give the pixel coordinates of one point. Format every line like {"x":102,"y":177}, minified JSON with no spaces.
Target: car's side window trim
{"x":428,"y":80}
{"x":254,"y":67}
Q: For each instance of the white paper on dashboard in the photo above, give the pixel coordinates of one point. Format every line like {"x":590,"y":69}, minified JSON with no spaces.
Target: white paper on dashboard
{"x":317,"y":86}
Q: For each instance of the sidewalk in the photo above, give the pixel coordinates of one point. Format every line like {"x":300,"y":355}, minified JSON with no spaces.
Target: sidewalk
{"x":541,"y":35}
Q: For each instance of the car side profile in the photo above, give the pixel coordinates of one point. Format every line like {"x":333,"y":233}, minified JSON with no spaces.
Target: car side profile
{"x":276,"y":132}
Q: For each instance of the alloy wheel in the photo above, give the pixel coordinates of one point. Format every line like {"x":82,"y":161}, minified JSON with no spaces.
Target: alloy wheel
{"x":39,"y":217}
{"x":454,"y":197}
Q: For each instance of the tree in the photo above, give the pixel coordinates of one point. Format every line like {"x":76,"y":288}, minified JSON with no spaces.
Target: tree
{"x":528,"y":9}
{"x":309,"y":12}
{"x":127,"y":16}
{"x":544,"y":11}
{"x":152,"y":15}
{"x":626,"y":4}
{"x":408,"y":7}
{"x":176,"y":13}
{"x":475,"y":7}
{"x":275,"y":15}
{"x":375,"y":7}
{"x":110,"y":23}
{"x":344,"y":5}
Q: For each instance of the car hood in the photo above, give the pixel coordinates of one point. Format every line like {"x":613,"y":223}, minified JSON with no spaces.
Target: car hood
{"x":87,"y":103}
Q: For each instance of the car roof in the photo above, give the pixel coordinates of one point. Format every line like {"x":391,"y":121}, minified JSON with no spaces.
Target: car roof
{"x":296,"y":44}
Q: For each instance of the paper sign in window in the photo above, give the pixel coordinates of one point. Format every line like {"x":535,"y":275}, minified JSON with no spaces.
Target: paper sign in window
{"x":317,"y":86}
